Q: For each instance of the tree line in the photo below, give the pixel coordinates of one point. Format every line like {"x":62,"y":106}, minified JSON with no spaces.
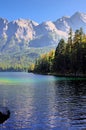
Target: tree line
{"x":69,"y":58}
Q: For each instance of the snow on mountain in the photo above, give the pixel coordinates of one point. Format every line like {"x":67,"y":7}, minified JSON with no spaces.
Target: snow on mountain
{"x":78,"y":20}
{"x":47,"y":34}
{"x":22,"y":34}
{"x":63,"y":24}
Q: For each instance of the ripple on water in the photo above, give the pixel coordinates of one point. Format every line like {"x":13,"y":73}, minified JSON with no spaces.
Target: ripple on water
{"x":43,"y":102}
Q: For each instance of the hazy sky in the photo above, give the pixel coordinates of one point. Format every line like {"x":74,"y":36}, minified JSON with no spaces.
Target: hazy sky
{"x":40,"y":10}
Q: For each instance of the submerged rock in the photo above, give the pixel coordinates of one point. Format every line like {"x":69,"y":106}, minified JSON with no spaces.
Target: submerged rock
{"x":4,"y":114}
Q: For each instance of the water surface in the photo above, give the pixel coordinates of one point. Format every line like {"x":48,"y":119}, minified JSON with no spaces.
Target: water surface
{"x":39,"y":102}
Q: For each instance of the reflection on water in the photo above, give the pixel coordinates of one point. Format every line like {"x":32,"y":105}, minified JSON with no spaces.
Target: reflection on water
{"x":43,"y":102}
{"x":71,"y":102}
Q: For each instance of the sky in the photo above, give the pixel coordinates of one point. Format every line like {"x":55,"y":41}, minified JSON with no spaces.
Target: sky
{"x":40,"y":10}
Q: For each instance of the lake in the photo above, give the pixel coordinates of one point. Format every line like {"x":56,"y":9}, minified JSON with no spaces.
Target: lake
{"x":41,"y":102}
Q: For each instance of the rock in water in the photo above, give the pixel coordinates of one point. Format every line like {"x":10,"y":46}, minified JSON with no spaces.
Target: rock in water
{"x":4,"y":114}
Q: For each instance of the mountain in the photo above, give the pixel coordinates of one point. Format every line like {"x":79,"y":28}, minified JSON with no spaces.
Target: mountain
{"x":16,"y":35}
{"x":46,"y":34}
{"x":76,"y":21}
{"x":24,"y":39}
{"x":21,"y":34}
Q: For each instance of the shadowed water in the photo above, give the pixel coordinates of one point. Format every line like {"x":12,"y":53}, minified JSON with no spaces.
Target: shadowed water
{"x":39,"y":102}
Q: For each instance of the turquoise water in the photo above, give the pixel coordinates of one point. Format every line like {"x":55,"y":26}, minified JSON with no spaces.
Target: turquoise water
{"x":39,"y":102}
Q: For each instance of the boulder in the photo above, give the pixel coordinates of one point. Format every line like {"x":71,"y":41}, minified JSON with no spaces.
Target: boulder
{"x":4,"y":114}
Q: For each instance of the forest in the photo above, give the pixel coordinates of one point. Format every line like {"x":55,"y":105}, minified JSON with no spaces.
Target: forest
{"x":20,"y":61}
{"x":69,"y":58}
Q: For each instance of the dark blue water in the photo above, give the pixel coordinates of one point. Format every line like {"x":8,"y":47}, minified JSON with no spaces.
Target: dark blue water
{"x":39,"y":102}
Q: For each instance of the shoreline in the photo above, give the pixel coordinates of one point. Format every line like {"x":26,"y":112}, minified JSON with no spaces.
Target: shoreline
{"x":54,"y":74}
{"x":62,"y":75}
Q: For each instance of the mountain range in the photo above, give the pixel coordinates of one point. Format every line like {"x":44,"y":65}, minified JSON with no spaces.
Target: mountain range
{"x":22,"y":34}
{"x":24,"y":39}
